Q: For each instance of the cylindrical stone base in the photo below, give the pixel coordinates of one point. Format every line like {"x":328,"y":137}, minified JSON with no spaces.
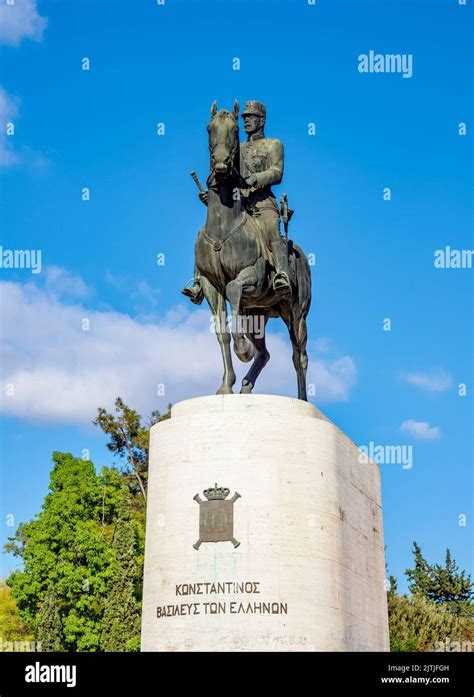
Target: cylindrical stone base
{"x":298,"y":564}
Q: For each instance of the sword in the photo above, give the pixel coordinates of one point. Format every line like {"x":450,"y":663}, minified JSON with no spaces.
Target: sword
{"x":286,"y":214}
{"x":198,"y":183}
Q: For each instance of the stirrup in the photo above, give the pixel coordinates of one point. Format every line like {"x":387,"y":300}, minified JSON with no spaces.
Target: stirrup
{"x":194,"y":293}
{"x":284,"y":280}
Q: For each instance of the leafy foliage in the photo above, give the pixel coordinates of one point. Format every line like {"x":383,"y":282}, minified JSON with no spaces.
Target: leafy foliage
{"x":129,"y":439}
{"x":444,"y":585}
{"x":49,"y":627}
{"x":80,"y":586}
{"x":416,"y":623}
{"x":121,"y":622}
{"x":11,"y":626}
{"x":439,"y":609}
{"x":68,"y":546}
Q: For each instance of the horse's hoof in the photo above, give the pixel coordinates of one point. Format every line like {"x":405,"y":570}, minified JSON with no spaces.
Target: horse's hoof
{"x":246,"y":387}
{"x":224,"y":389}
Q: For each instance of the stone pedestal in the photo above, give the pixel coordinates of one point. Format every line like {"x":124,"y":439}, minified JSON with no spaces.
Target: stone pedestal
{"x":300,"y":561}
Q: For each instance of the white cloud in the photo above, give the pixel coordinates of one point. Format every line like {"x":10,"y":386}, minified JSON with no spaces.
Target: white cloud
{"x":61,"y":373}
{"x":8,"y":111}
{"x":20,"y":20}
{"x":421,"y":430}
{"x":325,"y":345}
{"x":9,"y":155}
{"x":60,"y":282}
{"x":333,"y":379}
{"x":433,"y":382}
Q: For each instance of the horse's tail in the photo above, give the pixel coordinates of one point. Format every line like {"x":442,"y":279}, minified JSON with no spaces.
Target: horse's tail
{"x":303,"y":280}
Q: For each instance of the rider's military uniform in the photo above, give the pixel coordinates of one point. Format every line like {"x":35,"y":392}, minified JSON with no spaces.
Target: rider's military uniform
{"x":263,"y":158}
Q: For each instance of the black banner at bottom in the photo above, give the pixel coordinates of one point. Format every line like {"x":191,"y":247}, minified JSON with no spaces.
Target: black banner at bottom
{"x":375,"y":673}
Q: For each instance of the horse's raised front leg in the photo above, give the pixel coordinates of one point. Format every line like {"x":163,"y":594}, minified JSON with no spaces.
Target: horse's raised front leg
{"x":246,"y":282}
{"x":257,"y":337}
{"x":218,"y":307}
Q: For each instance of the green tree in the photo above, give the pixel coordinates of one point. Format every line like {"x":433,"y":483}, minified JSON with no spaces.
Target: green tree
{"x":83,"y":553}
{"x":452,"y":588}
{"x":421,"y":577}
{"x":443,"y":585}
{"x":440,"y":608}
{"x":69,"y":546}
{"x":49,"y":626}
{"x":392,"y":589}
{"x":11,"y":626}
{"x":416,"y":624}
{"x":129,"y":439}
{"x":121,"y":622}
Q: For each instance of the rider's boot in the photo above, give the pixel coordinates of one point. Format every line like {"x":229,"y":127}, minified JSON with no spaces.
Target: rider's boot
{"x":194,"y":292}
{"x":281,"y":280}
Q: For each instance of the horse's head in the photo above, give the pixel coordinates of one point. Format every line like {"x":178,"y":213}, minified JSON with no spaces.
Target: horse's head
{"x":223,"y":132}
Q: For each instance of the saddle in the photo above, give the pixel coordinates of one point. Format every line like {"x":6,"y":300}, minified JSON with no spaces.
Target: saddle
{"x":254,"y":222}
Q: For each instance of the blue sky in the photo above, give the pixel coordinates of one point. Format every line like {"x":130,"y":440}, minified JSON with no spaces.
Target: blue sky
{"x":154,"y":64}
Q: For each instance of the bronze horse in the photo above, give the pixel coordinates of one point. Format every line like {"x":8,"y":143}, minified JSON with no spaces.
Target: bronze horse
{"x":232,"y":264}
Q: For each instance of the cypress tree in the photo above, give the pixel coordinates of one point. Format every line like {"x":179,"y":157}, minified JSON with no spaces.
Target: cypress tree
{"x":121,"y":622}
{"x":49,"y":627}
{"x":443,"y":585}
{"x":452,"y":587}
{"x":421,"y":576}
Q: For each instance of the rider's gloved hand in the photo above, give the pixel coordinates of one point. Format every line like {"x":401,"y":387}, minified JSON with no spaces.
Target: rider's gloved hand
{"x":251,"y":181}
{"x":204,"y":197}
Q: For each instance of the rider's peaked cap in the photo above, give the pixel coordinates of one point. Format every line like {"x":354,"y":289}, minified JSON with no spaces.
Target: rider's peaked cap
{"x":256,"y":108}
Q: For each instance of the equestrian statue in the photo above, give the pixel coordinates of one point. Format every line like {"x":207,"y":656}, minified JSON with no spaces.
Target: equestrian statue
{"x":241,"y":259}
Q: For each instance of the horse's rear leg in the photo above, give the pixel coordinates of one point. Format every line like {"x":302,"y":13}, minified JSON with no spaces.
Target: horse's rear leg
{"x":300,"y":356}
{"x":257,"y":337}
{"x":218,"y":307}
{"x":296,"y":324}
